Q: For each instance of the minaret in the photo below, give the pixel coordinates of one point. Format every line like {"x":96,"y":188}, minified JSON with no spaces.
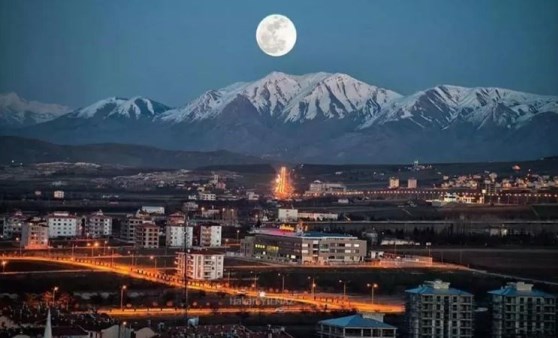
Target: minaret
{"x":48,"y":327}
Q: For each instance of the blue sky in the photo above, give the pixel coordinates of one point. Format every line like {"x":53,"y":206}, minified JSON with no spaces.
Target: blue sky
{"x":77,"y":52}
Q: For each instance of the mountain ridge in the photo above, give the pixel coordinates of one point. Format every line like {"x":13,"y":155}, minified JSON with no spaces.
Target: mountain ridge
{"x":324,"y":117}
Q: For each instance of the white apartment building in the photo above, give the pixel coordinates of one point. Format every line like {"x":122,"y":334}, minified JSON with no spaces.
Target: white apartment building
{"x":200,"y":265}
{"x":518,"y":310}
{"x":433,"y":309}
{"x":206,"y":196}
{"x":34,"y":234}
{"x":98,"y":225}
{"x":412,"y":183}
{"x":147,"y":236}
{"x":176,"y":234}
{"x":209,"y":235}
{"x":393,"y":183}
{"x":63,"y":224}
{"x":12,"y":225}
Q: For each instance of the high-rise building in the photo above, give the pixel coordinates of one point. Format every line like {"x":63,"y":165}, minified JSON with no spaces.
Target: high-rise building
{"x":518,"y":310}
{"x":433,"y":309}
{"x":393,"y":182}
{"x":34,"y":234}
{"x":147,"y":236}
{"x":63,"y":224}
{"x":200,"y":264}
{"x":412,"y":183}
{"x":98,"y":225}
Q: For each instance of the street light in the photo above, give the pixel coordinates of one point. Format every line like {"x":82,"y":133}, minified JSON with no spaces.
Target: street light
{"x":237,"y":234}
{"x":372,"y":287}
{"x":282,"y":282}
{"x":313,"y":286}
{"x":344,"y":288}
{"x":54,"y":295}
{"x":4,"y":266}
{"x":154,"y":260}
{"x":122,"y":297}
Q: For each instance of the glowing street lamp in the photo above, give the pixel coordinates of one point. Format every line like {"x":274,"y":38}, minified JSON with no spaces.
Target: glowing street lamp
{"x":282,"y":275}
{"x":122,"y":289}
{"x":4,"y":263}
{"x":54,"y":294}
{"x":372,"y":286}
{"x":313,"y":286}
{"x":154,"y":261}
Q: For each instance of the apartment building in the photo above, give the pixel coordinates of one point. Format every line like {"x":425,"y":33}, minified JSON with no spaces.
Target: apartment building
{"x":433,"y":309}
{"x":200,"y":264}
{"x":63,"y":224}
{"x":147,"y":236}
{"x":34,"y":234}
{"x":98,"y":225}
{"x":518,"y":310}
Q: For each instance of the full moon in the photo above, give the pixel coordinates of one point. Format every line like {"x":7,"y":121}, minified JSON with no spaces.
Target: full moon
{"x":276,"y":35}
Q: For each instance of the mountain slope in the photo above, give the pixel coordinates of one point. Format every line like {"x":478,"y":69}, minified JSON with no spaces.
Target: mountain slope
{"x":33,"y":151}
{"x":327,"y":118}
{"x":16,"y":112}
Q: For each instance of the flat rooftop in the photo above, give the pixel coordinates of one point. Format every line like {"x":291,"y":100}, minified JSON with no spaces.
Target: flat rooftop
{"x":293,"y":234}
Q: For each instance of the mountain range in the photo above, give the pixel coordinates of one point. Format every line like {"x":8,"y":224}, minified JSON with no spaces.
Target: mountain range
{"x":319,"y":117}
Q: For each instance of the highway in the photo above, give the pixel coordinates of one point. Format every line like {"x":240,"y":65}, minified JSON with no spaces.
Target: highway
{"x":318,"y":301}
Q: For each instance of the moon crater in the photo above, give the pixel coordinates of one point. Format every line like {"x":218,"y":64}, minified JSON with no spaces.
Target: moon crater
{"x":276,"y":35}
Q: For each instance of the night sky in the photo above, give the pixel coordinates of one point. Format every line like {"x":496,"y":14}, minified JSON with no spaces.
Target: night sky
{"x":76,"y":52}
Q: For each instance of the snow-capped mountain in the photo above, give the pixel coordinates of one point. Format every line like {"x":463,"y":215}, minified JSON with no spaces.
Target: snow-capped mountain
{"x":442,"y":106}
{"x":134,"y":108}
{"x":17,"y":112}
{"x":324,"y":117}
{"x":291,"y":98}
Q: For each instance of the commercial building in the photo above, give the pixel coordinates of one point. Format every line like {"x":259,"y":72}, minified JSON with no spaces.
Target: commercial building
{"x":98,"y":225}
{"x":34,"y":234}
{"x":412,"y":183}
{"x":63,"y":224}
{"x":393,"y":183}
{"x":296,"y":246}
{"x":176,"y":234}
{"x":358,"y":325}
{"x":287,"y":215}
{"x":147,"y":236}
{"x":200,"y":264}
{"x":317,"y":216}
{"x":325,"y":188}
{"x":12,"y":225}
{"x":518,"y":310}
{"x":129,"y":224}
{"x":433,"y":309}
